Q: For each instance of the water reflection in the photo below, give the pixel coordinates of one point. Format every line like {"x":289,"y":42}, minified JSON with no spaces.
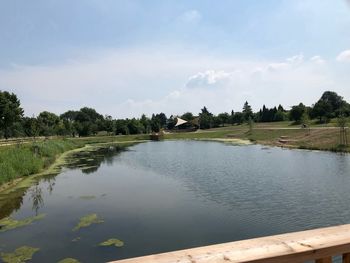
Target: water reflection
{"x":36,"y":198}
{"x":88,"y":162}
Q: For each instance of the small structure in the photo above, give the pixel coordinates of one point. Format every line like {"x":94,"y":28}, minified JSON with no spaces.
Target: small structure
{"x":186,"y":126}
{"x":157,"y":136}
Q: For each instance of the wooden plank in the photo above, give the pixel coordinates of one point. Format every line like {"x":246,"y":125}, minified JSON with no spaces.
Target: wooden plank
{"x":324,"y":260}
{"x":292,"y":247}
{"x":346,"y":258}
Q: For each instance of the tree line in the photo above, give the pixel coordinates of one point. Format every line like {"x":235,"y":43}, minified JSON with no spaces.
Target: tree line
{"x":87,"y":121}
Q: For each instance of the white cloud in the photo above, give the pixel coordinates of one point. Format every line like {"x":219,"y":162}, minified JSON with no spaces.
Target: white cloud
{"x":296,"y":59}
{"x":318,"y":60}
{"x":344,"y":56}
{"x":127,"y":83}
{"x":191,"y":16}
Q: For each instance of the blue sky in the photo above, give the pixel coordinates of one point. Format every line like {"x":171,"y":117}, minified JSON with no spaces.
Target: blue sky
{"x":129,"y":57}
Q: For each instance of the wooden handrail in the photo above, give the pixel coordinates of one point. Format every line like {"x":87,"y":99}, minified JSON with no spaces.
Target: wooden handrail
{"x":318,"y":245}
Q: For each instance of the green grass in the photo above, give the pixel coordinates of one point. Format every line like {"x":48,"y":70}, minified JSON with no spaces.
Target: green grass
{"x":24,"y":160}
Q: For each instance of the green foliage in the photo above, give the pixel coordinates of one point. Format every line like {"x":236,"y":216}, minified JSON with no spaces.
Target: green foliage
{"x":205,"y":119}
{"x":297,"y":112}
{"x":10,"y":112}
{"x":20,"y":255}
{"x":247,"y":111}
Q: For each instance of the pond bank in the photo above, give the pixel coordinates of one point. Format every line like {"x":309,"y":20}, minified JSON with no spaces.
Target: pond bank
{"x":58,"y":161}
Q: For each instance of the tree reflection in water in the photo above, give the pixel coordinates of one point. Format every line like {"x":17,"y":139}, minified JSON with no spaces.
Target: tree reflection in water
{"x":87,"y":161}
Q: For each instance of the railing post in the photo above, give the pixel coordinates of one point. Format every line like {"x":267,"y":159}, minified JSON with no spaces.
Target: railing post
{"x":346,"y":258}
{"x":324,"y":260}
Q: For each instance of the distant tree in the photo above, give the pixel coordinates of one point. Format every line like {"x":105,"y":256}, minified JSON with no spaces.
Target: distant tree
{"x":238,"y":118}
{"x":146,"y":123}
{"x":47,"y":122}
{"x":188,"y":116}
{"x":251,"y":125}
{"x":155,"y":124}
{"x":135,"y":126}
{"x":205,"y":119}
{"x":280,"y":108}
{"x":171,"y":122}
{"x":343,"y":138}
{"x":31,"y":127}
{"x":247,"y":111}
{"x":297,"y":112}
{"x":162,"y":119}
{"x":224,"y":118}
{"x":121,"y":127}
{"x":109,"y":124}
{"x":322,"y":110}
{"x":10,"y":112}
{"x":232,"y":117}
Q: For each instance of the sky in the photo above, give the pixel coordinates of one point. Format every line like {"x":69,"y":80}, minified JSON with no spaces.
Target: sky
{"x":128,"y":57}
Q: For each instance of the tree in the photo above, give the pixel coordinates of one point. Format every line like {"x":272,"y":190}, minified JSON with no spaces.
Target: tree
{"x":205,"y":119}
{"x":146,"y":122}
{"x":10,"y":112}
{"x":322,"y":110}
{"x":155,"y":124}
{"x":188,"y":116}
{"x":224,"y":118}
{"x":47,"y":122}
{"x":162,"y":119}
{"x":31,"y":127}
{"x":108,"y":124}
{"x":247,"y":111}
{"x":297,"y":112}
{"x":343,"y":139}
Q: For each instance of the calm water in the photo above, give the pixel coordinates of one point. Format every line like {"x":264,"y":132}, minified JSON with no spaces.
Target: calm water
{"x":163,"y":196}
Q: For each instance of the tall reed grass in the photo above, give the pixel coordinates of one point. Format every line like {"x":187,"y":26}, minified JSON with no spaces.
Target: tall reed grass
{"x":24,"y":160}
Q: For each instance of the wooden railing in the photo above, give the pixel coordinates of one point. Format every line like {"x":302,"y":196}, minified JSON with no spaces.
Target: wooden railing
{"x":317,"y":245}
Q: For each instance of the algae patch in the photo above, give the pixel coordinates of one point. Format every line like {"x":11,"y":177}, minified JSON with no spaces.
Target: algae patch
{"x":21,"y":254}
{"x":9,"y":223}
{"x":112,"y":242}
{"x":88,"y":220}
{"x":87,"y":197}
{"x":69,"y":260}
{"x":76,"y":239}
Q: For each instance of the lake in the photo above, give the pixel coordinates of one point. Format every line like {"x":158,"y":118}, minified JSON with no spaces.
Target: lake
{"x":170,"y":195}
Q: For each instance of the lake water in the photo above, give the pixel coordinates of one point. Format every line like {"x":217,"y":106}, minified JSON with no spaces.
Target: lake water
{"x":164,"y":196}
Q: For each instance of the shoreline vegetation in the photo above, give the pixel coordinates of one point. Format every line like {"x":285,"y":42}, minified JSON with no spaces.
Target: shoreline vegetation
{"x":22,"y":163}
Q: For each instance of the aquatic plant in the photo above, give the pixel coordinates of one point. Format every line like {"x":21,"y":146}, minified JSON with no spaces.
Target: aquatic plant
{"x":76,"y":239}
{"x":112,"y":242}
{"x":69,"y":260}
{"x":87,"y":197}
{"x":88,"y":220}
{"x":9,"y":223}
{"x":21,"y":254}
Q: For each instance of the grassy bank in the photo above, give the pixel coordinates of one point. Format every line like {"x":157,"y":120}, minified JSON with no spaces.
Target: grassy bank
{"x":21,"y":160}
{"x":24,"y":160}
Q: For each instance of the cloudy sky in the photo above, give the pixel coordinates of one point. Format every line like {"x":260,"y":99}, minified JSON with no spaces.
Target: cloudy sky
{"x":128,"y":57}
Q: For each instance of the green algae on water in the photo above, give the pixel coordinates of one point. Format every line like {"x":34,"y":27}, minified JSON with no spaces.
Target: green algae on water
{"x":88,"y":220}
{"x":69,"y":260}
{"x":87,"y":197}
{"x":76,"y":239}
{"x":112,"y":242}
{"x":9,"y":223}
{"x":20,"y":255}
